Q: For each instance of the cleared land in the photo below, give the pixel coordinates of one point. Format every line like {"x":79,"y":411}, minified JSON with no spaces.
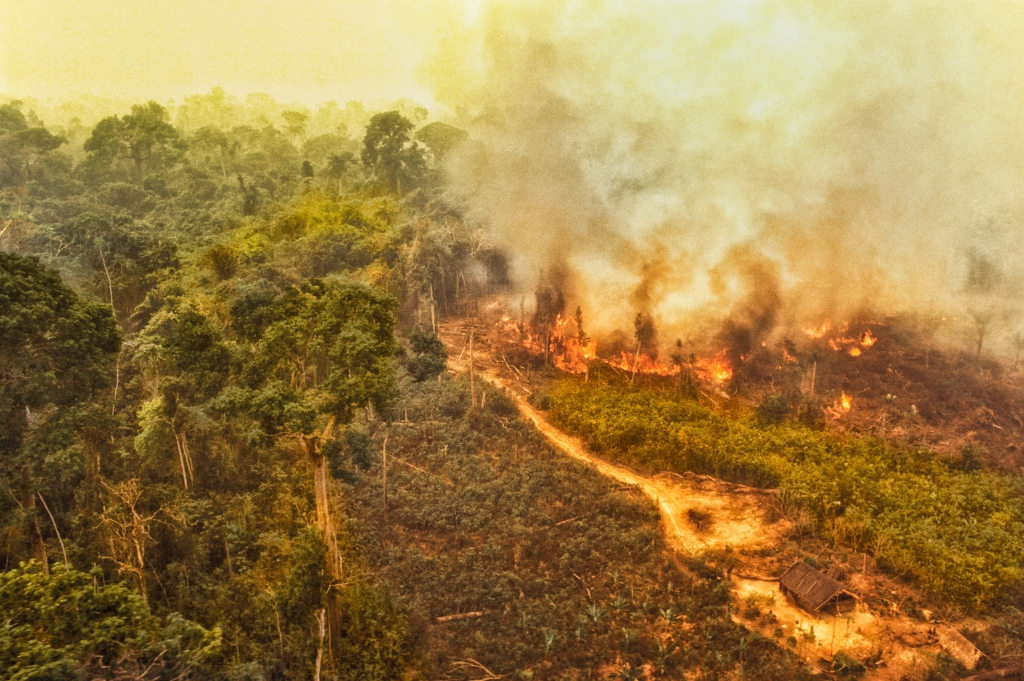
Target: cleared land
{"x":746,"y":531}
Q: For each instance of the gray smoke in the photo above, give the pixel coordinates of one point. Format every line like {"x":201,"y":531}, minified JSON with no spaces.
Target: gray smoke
{"x":679,"y":157}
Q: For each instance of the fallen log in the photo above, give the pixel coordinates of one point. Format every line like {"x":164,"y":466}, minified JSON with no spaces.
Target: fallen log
{"x":1009,"y":673}
{"x":959,"y":647}
{"x":458,"y":616}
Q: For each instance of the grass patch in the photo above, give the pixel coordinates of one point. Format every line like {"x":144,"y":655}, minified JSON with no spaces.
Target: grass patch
{"x":959,"y":534}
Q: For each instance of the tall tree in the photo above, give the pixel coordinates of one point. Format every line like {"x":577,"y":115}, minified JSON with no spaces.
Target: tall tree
{"x":123,"y":261}
{"x":319,"y":352}
{"x":441,"y":139}
{"x":144,"y":137}
{"x":391,"y":154}
{"x":21,"y":145}
{"x":56,"y":351}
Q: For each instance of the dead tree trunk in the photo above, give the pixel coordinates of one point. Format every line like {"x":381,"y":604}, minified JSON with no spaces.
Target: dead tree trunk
{"x":472,"y":380}
{"x":35,"y":536}
{"x":312,"y":447}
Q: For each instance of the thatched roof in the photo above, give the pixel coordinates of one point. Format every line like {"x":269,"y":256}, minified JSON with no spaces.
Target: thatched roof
{"x":959,"y":647}
{"x":811,"y":589}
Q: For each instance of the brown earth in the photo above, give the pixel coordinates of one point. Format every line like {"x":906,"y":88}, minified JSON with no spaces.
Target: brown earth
{"x":907,"y":387}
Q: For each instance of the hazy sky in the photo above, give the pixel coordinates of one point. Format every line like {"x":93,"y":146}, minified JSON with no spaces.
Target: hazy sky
{"x":304,"y":50}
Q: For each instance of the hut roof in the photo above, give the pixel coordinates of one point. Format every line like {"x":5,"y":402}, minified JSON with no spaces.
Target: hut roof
{"x":959,"y":647}
{"x":811,"y":588}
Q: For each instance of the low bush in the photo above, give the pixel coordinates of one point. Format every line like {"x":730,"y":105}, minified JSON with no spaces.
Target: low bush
{"x":959,"y":533}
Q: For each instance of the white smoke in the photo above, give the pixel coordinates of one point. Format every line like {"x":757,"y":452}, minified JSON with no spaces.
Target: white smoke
{"x":862,"y":151}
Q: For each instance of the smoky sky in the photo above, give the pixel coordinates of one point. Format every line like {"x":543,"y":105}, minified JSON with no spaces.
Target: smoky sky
{"x":864,"y":154}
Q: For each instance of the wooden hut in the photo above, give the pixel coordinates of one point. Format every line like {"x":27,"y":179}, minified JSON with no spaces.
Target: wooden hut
{"x":814,"y":592}
{"x":959,"y":647}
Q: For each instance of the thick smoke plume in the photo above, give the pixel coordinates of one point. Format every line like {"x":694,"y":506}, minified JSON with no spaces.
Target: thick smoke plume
{"x":765,"y":162}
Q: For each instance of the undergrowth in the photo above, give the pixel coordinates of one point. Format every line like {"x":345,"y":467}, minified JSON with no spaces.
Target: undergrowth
{"x":556,"y":571}
{"x":959,"y":534}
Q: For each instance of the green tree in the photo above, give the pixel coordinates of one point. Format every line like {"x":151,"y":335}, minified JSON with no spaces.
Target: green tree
{"x":21,"y":145}
{"x":144,"y":137}
{"x":295,"y":123}
{"x":123,"y":262}
{"x":184,"y":357}
{"x":325,"y":350}
{"x":431,"y":357}
{"x":64,"y":626}
{"x":56,"y":351}
{"x":338,"y":168}
{"x":441,"y":138}
{"x":391,"y":154}
{"x":213,"y":144}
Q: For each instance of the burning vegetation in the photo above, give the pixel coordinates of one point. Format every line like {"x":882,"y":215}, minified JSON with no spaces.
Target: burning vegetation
{"x":562,"y":342}
{"x":887,"y":376}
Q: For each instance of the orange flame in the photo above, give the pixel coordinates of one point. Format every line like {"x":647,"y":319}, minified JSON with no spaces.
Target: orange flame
{"x":566,"y":351}
{"x":841,"y":406}
{"x":819,"y":331}
{"x":569,"y":354}
{"x":642,"y":364}
{"x":839,"y":342}
{"x":716,"y":370}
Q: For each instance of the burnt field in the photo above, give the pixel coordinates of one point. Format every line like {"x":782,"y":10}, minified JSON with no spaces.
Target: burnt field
{"x":893,"y":377}
{"x":904,"y":386}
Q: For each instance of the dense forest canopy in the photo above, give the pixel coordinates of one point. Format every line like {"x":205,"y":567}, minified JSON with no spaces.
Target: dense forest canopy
{"x":199,"y":314}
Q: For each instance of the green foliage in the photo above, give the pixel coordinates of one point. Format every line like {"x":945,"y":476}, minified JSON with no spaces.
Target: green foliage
{"x":145,"y":137}
{"x":430,"y":358}
{"x":343,"y":330}
{"x":257,"y":297}
{"x":441,"y":139}
{"x":391,"y":154}
{"x":64,"y":625}
{"x":773,"y":410}
{"x":847,"y":667}
{"x":56,"y":349}
{"x":120,"y":262}
{"x":22,"y":146}
{"x":354,"y":451}
{"x":958,"y":533}
{"x":56,"y":345}
{"x":376,"y":639}
{"x":306,"y":584}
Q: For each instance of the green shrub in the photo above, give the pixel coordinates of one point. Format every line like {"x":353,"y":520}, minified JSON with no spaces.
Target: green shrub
{"x":430,"y":358}
{"x":773,"y":410}
{"x":847,"y":667}
{"x":63,"y":625}
{"x":959,"y":533}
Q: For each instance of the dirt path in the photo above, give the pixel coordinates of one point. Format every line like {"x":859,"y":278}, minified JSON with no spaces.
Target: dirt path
{"x":740,"y":519}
